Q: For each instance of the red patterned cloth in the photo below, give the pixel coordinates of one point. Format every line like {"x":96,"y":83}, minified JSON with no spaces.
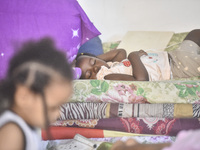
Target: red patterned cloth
{"x":156,"y":126}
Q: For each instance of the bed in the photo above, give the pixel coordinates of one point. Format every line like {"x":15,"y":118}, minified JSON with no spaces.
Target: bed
{"x":107,"y":111}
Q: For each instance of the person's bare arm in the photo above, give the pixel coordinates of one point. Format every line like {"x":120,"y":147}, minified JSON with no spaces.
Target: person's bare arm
{"x":139,"y":71}
{"x":122,"y":77}
{"x":113,"y":55}
{"x":11,"y":137}
{"x":132,"y":144}
{"x":123,"y":146}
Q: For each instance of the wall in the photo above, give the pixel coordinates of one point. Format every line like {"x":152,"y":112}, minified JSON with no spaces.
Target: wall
{"x":114,"y":18}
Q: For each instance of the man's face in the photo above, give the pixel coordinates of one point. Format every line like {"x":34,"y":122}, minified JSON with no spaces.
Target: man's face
{"x":90,"y":66}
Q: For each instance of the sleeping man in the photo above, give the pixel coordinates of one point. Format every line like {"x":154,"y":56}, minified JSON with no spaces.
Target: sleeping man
{"x":184,"y":62}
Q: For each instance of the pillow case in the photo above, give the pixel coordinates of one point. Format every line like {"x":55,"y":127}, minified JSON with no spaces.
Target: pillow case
{"x":64,"y":21}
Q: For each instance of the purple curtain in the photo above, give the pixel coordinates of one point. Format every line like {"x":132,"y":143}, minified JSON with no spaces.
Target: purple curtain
{"x":62,"y":20}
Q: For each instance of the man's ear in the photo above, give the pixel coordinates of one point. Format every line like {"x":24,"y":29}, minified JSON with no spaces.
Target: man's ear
{"x":23,"y":96}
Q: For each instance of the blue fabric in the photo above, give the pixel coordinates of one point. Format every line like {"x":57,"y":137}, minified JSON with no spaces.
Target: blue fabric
{"x":93,"y":46}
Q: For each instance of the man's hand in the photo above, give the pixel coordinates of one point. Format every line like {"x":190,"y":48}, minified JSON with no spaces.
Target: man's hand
{"x":124,"y":145}
{"x":139,"y":71}
{"x":131,"y":144}
{"x":141,"y":53}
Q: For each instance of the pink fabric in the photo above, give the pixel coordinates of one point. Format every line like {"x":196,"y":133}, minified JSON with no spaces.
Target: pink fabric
{"x":123,"y":67}
{"x":157,"y":65}
{"x":186,"y":140}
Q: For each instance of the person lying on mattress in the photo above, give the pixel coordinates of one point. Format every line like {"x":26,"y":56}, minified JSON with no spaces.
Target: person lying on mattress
{"x":183,"y":62}
{"x":38,"y":81}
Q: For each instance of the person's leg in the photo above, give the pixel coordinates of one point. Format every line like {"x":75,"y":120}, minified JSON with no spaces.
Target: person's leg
{"x":194,"y":36}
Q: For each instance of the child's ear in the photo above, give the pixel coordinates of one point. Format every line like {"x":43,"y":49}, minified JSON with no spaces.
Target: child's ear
{"x":23,"y":96}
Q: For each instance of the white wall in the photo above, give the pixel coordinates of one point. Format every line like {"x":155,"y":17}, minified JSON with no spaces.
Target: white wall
{"x":114,"y":18}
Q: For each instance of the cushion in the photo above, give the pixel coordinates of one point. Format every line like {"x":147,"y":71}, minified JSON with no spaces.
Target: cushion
{"x":93,"y":46}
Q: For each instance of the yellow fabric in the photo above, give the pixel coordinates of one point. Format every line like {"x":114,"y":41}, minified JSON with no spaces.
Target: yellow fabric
{"x":183,"y":110}
{"x":110,"y":133}
{"x":108,"y":111}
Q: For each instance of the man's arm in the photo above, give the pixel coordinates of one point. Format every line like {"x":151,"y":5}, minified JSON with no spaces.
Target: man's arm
{"x":194,"y":36}
{"x":123,"y":146}
{"x":113,"y":55}
{"x":122,"y":77}
{"x":139,"y":71}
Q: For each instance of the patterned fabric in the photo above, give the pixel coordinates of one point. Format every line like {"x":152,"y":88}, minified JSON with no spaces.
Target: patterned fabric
{"x":64,"y":21}
{"x":49,"y":145}
{"x":70,"y":111}
{"x":168,"y":110}
{"x":123,"y":67}
{"x":196,"y":111}
{"x":175,"y":40}
{"x":136,"y":91}
{"x":185,"y":60}
{"x":73,"y":111}
{"x":155,"y":126}
{"x":141,"y":139}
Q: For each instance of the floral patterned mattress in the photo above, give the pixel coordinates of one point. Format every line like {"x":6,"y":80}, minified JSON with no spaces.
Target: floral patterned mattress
{"x":136,"y":92}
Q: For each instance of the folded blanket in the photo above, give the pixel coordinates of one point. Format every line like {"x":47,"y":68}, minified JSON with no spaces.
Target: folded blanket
{"x":72,"y":111}
{"x":70,"y":132}
{"x":110,"y":91}
{"x":155,"y":126}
